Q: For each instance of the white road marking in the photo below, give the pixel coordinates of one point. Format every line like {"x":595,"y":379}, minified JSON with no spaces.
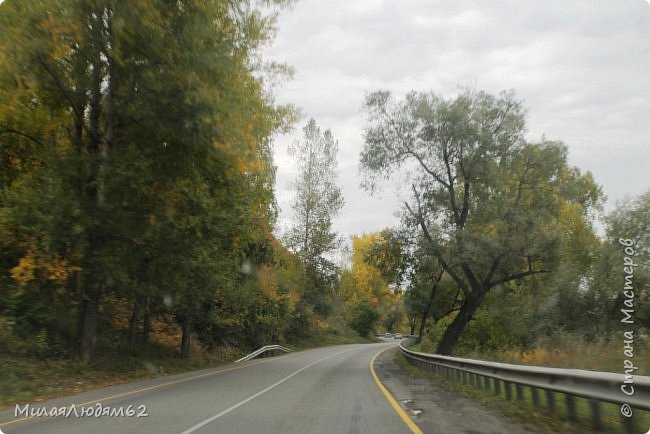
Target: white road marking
{"x":261,"y":392}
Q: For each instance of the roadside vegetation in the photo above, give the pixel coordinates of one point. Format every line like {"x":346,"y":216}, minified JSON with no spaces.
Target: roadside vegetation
{"x":30,"y":378}
{"x":574,"y":316}
{"x":524,"y":411}
{"x":137,"y":203}
{"x":138,"y":212}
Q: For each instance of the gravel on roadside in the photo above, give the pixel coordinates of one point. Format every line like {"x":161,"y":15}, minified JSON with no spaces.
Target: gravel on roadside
{"x":437,"y":411}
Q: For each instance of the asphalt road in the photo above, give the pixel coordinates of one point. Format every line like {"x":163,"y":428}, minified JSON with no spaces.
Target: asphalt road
{"x":325,"y":390}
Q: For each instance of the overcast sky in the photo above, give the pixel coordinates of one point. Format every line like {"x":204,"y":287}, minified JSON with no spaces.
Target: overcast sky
{"x":582,"y":68}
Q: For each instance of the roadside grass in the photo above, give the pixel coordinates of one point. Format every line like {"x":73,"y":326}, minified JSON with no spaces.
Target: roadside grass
{"x":566,"y":350}
{"x":524,"y":410}
{"x":30,"y":379}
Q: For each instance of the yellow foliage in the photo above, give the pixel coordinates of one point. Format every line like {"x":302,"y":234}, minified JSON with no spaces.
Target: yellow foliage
{"x":368,"y":281}
{"x":23,"y":273}
{"x":268,"y":282}
{"x":35,"y":264}
{"x":245,"y":166}
{"x":59,"y":269}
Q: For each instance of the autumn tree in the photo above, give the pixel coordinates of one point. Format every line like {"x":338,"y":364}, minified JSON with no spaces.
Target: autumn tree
{"x":486,"y":201}
{"x":318,"y":201}
{"x":389,"y":252}
{"x":149,"y":124}
{"x":367,"y":279}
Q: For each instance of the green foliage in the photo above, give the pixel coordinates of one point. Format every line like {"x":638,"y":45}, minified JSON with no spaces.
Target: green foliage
{"x":583,"y":297}
{"x":136,"y":167}
{"x":392,"y":315}
{"x":388,"y":253}
{"x":604,"y":294}
{"x":572,"y":316}
{"x":361,"y":316}
{"x":489,"y":204}
{"x":318,"y":200}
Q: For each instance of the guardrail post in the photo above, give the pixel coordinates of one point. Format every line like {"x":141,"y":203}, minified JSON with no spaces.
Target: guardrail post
{"x":571,"y":407}
{"x":535,"y":392}
{"x":550,"y":401}
{"x":520,"y":392}
{"x":594,"y":387}
{"x":508,"y":386}
{"x":596,"y":416}
{"x":628,"y":424}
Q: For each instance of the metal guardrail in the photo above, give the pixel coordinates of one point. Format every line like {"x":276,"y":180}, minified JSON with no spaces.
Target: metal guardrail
{"x":595,"y":386}
{"x":271,"y":349}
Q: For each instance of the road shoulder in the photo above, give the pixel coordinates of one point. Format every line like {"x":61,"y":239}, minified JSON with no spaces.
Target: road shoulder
{"x":437,"y":411}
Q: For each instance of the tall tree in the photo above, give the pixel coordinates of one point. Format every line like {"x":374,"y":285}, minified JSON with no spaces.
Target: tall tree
{"x":317,"y":202}
{"x":150,"y":124}
{"x":626,"y":226}
{"x":486,"y":201}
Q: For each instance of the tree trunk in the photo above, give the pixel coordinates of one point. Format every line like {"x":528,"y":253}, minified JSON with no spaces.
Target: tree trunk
{"x":185,"y":340}
{"x":455,"y":329}
{"x":133,"y":324}
{"x":425,"y":315}
{"x":412,"y":320}
{"x":427,"y":310}
{"x":90,"y":318}
{"x":97,"y":148}
{"x":146,"y":322}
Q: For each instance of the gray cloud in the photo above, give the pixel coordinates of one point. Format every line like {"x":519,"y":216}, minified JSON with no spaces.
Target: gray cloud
{"x":581,"y":67}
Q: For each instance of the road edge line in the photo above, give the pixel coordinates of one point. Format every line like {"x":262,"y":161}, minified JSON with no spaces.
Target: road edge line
{"x":389,"y":397}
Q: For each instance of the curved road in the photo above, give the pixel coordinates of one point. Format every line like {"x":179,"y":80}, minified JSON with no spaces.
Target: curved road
{"x":325,"y":390}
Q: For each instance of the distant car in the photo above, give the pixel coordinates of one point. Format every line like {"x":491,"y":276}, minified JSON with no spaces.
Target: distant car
{"x":398,"y":336}
{"x":388,"y":335}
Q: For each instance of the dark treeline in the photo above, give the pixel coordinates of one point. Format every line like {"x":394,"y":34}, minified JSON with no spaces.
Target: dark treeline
{"x":137,"y":177}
